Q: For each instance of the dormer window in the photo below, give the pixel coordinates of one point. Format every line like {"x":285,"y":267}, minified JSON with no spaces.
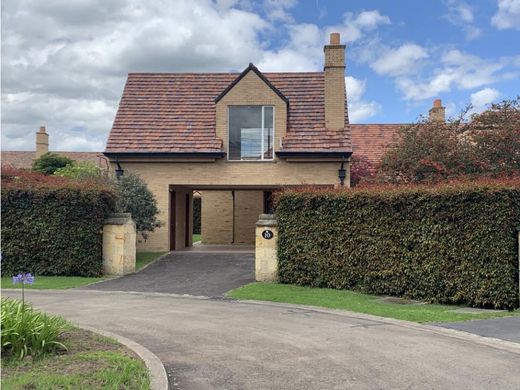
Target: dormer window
{"x":251,"y":133}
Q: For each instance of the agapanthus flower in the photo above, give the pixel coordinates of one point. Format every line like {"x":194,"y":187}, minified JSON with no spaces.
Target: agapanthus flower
{"x":24,"y":278}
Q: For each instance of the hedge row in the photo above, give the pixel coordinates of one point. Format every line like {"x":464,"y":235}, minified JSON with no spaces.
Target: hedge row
{"x":196,"y":215}
{"x":452,"y":244}
{"x":52,"y":226}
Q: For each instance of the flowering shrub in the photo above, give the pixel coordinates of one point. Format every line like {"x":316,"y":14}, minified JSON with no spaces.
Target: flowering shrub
{"x":455,"y":243}
{"x":488,"y":144}
{"x":23,"y":279}
{"x":28,"y":332}
{"x":361,"y":169}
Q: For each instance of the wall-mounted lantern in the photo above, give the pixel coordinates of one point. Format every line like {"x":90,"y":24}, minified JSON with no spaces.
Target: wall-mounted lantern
{"x":119,"y":171}
{"x":342,"y":173}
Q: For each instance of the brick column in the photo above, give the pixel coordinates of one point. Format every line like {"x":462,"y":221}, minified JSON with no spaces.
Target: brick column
{"x":119,"y":244}
{"x":266,"y":254}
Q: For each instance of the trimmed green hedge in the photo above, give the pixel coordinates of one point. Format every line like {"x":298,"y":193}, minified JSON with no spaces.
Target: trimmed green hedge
{"x":53,"y":226}
{"x":451,"y":244}
{"x":196,"y":214}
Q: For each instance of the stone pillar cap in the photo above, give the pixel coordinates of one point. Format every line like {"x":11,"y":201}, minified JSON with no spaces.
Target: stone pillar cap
{"x":266,"y":220}
{"x":118,"y":219}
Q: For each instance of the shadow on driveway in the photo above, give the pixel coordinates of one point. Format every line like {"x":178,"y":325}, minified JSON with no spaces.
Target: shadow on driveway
{"x":192,"y":273}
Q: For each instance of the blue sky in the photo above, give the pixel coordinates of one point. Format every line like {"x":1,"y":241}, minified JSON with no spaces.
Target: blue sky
{"x":64,"y":63}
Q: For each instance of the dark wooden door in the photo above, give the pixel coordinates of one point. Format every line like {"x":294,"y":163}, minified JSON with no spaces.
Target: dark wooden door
{"x":187,"y":221}
{"x":172,"y":220}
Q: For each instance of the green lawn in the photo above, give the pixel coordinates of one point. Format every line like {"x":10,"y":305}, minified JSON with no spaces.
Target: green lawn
{"x":64,"y":282}
{"x":144,"y":258}
{"x":90,"y":362}
{"x":52,"y":282}
{"x":357,"y":302}
{"x":196,"y":237}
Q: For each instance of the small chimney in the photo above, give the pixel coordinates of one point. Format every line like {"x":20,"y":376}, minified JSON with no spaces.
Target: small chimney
{"x":335,"y":96}
{"x":42,"y":142}
{"x":437,"y":113}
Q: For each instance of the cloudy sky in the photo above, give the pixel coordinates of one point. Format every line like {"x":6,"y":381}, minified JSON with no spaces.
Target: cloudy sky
{"x":64,"y":62}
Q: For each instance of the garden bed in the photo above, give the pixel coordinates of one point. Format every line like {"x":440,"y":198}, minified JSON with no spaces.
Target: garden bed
{"x":90,"y":362}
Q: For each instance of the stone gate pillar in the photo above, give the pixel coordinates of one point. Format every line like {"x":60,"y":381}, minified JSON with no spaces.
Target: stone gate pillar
{"x":119,"y":244}
{"x":266,"y":256}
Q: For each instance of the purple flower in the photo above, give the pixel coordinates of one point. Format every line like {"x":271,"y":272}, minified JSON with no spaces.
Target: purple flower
{"x":24,"y":278}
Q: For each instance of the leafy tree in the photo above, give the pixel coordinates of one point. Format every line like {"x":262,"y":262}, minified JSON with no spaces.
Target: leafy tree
{"x":496,"y":137}
{"x":49,"y":162}
{"x":79,"y":170}
{"x":486,"y":144}
{"x":135,"y":198}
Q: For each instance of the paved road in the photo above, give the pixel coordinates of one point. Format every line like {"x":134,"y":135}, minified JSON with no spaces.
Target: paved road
{"x":506,"y":328}
{"x":221,"y":344}
{"x":192,"y":273}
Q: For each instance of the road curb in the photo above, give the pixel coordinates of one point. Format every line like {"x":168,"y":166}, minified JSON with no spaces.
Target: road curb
{"x":505,"y":345}
{"x":158,"y":377}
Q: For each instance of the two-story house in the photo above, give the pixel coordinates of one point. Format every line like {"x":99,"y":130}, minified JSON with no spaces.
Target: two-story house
{"x":235,"y":138}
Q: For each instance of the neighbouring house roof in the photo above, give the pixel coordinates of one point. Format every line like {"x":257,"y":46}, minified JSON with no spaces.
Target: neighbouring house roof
{"x":371,"y":141}
{"x":24,"y":159}
{"x":175,"y":113}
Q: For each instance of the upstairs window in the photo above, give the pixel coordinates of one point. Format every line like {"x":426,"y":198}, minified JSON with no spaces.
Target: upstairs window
{"x":251,"y":133}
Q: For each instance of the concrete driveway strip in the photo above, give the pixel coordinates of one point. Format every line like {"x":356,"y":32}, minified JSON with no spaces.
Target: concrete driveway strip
{"x":192,"y":273}
{"x":219,"y":344}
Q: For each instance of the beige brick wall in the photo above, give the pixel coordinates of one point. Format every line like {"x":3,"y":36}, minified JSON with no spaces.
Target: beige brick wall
{"x":159,"y":177}
{"x":248,"y":206}
{"x":217,"y":217}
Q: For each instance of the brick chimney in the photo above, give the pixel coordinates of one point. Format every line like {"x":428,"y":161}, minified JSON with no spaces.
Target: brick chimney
{"x":334,"y":69}
{"x":42,"y":142}
{"x":437,"y":113}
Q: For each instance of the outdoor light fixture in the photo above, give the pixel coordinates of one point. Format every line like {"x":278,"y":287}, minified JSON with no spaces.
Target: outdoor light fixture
{"x":119,"y":171}
{"x":342,"y":173}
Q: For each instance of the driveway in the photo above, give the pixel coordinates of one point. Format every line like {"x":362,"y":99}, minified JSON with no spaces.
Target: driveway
{"x":192,"y":273}
{"x":221,"y":344}
{"x":506,"y":328}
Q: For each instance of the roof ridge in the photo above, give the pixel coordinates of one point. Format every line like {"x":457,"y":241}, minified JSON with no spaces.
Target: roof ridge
{"x":262,"y":77}
{"x":219,"y":73}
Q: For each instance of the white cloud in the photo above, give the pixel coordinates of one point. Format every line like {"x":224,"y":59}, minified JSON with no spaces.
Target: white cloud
{"x":456,"y":70}
{"x":507,"y":15}
{"x":359,"y":109}
{"x":354,"y":27}
{"x":400,"y":61}
{"x":461,"y":14}
{"x":277,"y":10}
{"x":479,"y":100}
{"x":65,"y":63}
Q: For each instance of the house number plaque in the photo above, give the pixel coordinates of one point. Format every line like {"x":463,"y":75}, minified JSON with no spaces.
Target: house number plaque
{"x":267,"y":234}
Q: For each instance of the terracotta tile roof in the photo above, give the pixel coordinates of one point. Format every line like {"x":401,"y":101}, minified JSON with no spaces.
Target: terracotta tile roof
{"x":24,"y":159}
{"x":175,"y":112}
{"x":372,"y":140}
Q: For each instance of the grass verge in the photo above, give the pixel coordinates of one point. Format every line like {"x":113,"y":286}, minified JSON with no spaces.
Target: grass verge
{"x":91,"y":362}
{"x":358,"y":302}
{"x":144,"y":258}
{"x":65,"y":282}
{"x":197,"y":237}
{"x":52,"y":282}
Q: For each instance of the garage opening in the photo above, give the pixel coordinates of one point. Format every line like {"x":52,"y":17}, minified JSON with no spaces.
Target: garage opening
{"x":216,"y":216}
